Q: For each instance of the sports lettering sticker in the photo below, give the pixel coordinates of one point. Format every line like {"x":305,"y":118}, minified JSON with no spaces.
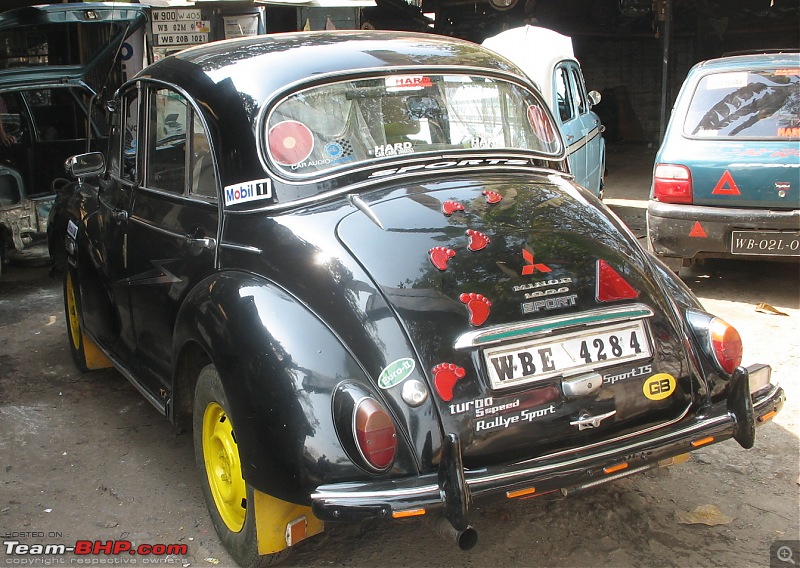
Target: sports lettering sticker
{"x":248,"y":191}
{"x":735,"y":80}
{"x":290,"y":142}
{"x":396,"y":372}
{"x":407,"y":82}
{"x":659,"y":386}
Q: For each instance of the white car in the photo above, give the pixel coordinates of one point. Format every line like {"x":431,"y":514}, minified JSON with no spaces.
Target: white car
{"x":547,"y":58}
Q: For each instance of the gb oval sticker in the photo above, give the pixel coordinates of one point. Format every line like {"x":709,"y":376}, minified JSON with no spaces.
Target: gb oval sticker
{"x":659,"y":386}
{"x":395,"y":372}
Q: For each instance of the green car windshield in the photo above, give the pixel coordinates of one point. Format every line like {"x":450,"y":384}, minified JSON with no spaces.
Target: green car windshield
{"x":761,"y":104}
{"x":346,"y":123}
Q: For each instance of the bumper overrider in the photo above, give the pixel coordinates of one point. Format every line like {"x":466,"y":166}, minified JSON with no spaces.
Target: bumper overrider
{"x":450,"y":492}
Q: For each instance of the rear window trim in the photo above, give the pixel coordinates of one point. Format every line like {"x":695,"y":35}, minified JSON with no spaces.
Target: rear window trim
{"x":278,"y":97}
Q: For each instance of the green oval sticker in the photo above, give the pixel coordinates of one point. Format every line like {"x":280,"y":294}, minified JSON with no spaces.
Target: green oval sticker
{"x":395,"y":372}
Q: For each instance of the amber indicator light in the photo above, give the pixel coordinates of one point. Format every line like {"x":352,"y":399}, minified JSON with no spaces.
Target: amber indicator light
{"x":702,"y":441}
{"x":615,"y":468}
{"x":408,"y":513}
{"x":520,"y":492}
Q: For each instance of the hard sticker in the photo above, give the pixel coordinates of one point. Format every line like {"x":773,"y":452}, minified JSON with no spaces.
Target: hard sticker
{"x":248,"y":191}
{"x":290,"y":142}
{"x":407,"y":82}
{"x":659,"y":386}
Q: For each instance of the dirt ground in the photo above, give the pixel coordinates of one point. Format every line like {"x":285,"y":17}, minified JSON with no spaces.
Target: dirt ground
{"x":85,"y":457}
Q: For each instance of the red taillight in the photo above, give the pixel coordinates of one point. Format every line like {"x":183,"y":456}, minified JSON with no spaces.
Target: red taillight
{"x":726,"y":344}
{"x":672,"y":184}
{"x":376,"y":435}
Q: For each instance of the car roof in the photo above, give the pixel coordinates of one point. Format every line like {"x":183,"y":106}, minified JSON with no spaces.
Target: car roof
{"x":536,"y":51}
{"x":259,"y":66}
{"x":750,"y":60}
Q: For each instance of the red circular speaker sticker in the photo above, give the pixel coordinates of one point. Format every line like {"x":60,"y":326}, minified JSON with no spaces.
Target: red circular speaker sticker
{"x":290,"y":142}
{"x":542,"y":127}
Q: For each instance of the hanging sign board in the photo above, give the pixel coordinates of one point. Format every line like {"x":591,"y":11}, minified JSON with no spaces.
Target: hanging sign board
{"x":179,"y":26}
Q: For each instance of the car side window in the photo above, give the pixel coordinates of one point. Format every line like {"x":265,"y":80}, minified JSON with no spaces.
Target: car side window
{"x":564,"y":94}
{"x":202,"y":182}
{"x":123,"y":142}
{"x":579,"y":89}
{"x":166,"y":141}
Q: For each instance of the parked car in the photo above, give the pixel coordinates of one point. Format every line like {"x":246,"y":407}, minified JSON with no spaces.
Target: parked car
{"x":548,"y":59}
{"x":726,"y":180}
{"x":367,"y":282}
{"x":54,"y":60}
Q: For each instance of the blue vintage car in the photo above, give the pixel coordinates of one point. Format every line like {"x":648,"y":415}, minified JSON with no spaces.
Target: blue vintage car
{"x":548,"y":59}
{"x":363,"y":277}
{"x":726,"y":180}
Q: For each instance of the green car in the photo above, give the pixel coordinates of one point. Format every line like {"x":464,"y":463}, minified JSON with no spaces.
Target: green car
{"x":726,"y":180}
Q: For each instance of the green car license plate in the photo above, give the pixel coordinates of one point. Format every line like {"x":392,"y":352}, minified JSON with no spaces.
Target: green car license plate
{"x":766,"y":243}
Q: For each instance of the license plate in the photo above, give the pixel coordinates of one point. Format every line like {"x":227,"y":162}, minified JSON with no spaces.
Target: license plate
{"x":567,"y":354}
{"x":767,"y":243}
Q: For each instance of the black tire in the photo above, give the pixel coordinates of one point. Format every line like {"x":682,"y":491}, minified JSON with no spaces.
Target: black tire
{"x":72,"y":311}
{"x":228,"y":497}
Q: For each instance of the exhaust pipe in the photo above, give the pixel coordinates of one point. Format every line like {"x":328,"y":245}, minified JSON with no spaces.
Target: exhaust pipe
{"x":465,"y":540}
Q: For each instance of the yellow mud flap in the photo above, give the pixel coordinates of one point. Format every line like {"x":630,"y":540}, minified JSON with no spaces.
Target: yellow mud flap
{"x":95,"y":359}
{"x":280,"y":524}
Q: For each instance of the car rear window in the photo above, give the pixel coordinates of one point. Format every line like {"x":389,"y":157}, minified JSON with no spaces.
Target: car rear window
{"x":761,"y":104}
{"x":344,"y":123}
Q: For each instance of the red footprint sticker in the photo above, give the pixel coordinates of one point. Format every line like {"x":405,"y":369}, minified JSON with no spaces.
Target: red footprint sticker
{"x":492,"y":197}
{"x":477,"y":240}
{"x":445,"y":377}
{"x":450,"y":207}
{"x":478,"y":307}
{"x":440,"y":256}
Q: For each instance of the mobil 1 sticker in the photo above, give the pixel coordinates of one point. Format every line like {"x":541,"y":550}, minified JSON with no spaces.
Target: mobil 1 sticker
{"x":248,"y":191}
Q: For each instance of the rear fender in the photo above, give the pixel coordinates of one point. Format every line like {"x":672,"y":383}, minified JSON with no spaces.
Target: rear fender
{"x":279,"y":365}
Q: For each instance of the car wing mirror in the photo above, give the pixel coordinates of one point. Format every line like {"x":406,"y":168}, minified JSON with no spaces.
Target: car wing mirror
{"x":85,"y":165}
{"x":594,"y":98}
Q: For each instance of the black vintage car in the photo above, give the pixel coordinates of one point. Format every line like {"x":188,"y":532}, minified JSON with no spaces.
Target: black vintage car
{"x":357,"y":266}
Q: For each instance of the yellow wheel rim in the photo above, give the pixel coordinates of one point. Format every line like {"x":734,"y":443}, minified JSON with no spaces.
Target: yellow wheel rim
{"x":223,"y":468}
{"x":72,"y":315}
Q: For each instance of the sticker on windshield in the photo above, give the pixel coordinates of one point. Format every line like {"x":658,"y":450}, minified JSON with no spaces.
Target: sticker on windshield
{"x":727,"y":80}
{"x":542,"y":127}
{"x":290,"y":142}
{"x":407,"y":82}
{"x":248,"y":191}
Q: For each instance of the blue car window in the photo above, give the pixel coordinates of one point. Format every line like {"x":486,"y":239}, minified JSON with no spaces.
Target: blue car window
{"x":740,"y":104}
{"x":348,"y":122}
